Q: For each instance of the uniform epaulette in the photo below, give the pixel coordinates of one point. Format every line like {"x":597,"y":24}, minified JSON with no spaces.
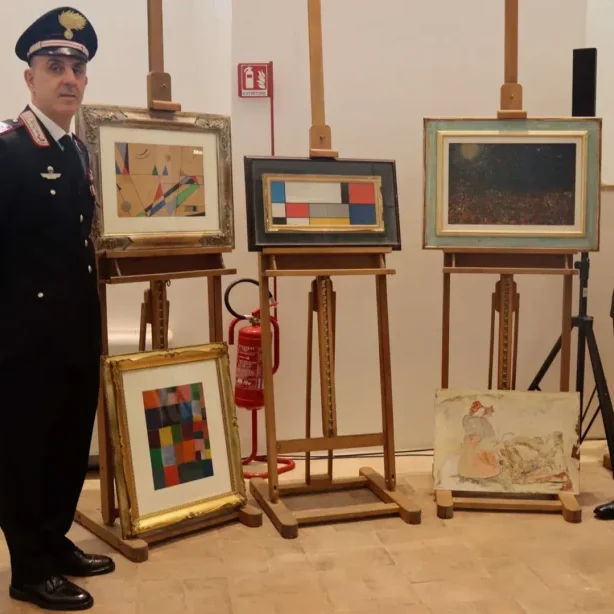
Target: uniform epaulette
{"x":9,"y":125}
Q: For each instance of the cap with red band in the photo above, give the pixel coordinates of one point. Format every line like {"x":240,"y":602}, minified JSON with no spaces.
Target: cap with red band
{"x":62,"y":31}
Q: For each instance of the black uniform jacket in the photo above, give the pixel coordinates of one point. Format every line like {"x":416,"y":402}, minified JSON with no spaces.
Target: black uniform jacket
{"x":49,"y":307}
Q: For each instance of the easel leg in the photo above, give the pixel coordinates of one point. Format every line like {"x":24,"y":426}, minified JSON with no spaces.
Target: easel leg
{"x":325,"y":312}
{"x":445,"y":333}
{"x":269,"y":393}
{"x":385,"y":381}
{"x":155,"y":311}
{"x":505,"y":301}
{"x":310,"y":311}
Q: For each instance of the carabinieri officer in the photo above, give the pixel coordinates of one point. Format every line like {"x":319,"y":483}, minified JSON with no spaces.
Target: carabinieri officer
{"x":50,"y":327}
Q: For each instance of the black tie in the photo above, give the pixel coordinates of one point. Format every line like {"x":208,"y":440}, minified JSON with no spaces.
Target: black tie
{"x":70,"y":150}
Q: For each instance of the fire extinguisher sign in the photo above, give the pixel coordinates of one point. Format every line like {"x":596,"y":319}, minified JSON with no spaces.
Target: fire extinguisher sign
{"x":254,"y":80}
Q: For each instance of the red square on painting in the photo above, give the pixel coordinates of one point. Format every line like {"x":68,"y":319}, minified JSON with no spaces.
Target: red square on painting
{"x":362,"y":194}
{"x":151,"y":399}
{"x":297,"y":210}
{"x":184,"y":393}
{"x":171,"y":475}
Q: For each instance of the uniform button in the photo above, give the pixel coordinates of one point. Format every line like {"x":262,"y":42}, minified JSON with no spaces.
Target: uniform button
{"x":81,"y":218}
{"x":89,"y":268}
{"x":52,"y":192}
{"x":86,"y":243}
{"x":40,"y":295}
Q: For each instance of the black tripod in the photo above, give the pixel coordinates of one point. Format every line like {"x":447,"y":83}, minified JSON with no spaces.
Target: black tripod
{"x":586,"y":338}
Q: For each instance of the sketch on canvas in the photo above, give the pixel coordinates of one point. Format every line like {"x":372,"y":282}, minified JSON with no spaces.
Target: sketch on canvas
{"x":507,"y":441}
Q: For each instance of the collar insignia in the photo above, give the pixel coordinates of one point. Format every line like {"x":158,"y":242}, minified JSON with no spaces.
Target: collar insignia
{"x":34,"y":128}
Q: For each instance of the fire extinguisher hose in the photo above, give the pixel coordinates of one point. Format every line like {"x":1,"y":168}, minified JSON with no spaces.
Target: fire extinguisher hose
{"x":227,"y":296}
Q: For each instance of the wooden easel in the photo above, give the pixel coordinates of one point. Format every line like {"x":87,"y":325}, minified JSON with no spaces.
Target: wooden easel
{"x":505,"y":302}
{"x":156,"y":267}
{"x":322,"y":263}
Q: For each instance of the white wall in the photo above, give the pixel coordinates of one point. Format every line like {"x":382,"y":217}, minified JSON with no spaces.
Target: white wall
{"x":600,"y":14}
{"x":383,"y":74}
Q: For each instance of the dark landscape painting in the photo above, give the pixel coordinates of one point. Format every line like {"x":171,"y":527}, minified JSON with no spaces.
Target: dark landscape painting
{"x":520,"y":184}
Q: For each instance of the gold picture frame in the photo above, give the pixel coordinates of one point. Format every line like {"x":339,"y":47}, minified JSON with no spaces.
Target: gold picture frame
{"x":199,"y":485}
{"x":326,"y":223}
{"x":104,"y":128}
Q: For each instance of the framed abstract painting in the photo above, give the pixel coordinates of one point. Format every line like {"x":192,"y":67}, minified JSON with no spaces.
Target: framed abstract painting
{"x":507,"y":441}
{"x":175,"y":438}
{"x":512,"y":184}
{"x":304,"y":202}
{"x":160,"y":181}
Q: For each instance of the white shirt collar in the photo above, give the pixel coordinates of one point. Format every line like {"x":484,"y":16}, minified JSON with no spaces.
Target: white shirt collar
{"x":55,"y":131}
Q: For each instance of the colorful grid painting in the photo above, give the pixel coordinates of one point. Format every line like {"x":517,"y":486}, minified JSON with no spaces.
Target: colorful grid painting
{"x":178,"y":435}
{"x":314,"y":202}
{"x":159,"y":180}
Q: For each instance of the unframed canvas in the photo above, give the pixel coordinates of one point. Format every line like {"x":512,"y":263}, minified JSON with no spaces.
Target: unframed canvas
{"x":527,"y":184}
{"x":161,"y":182}
{"x":175,"y":437}
{"x":507,"y":441}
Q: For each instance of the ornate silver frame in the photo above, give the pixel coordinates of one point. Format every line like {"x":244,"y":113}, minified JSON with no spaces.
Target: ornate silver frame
{"x":89,"y":121}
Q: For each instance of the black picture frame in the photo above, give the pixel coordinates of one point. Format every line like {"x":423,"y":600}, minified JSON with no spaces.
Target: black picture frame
{"x":259,"y":238}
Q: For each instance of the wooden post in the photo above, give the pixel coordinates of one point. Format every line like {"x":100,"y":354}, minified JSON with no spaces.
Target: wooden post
{"x":159,"y":93}
{"x":322,"y":263}
{"x":157,"y":268}
{"x":505,"y":302}
{"x":320,"y":139}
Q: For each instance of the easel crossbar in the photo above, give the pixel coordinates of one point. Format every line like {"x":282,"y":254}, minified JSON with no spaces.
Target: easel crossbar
{"x":339,"y":442}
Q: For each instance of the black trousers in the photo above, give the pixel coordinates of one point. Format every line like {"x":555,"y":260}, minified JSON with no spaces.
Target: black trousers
{"x":48,"y":408}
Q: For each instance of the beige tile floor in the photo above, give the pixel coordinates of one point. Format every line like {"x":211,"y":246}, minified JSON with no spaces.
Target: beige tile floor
{"x":475,"y":563}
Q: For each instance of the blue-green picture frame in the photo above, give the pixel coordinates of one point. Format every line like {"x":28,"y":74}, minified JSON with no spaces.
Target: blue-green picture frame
{"x":459,"y":153}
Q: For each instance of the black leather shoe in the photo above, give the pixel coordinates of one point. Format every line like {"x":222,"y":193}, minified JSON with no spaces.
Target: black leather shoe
{"x":77,"y":563}
{"x":605,"y":511}
{"x":55,"y":593}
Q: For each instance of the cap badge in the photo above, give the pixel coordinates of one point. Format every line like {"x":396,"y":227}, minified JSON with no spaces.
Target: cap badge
{"x":72,"y":20}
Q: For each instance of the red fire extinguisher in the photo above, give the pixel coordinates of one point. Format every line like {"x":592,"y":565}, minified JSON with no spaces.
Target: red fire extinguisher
{"x":249,"y":384}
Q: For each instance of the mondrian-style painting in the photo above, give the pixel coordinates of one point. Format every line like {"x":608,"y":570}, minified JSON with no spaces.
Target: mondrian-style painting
{"x":512,"y":183}
{"x":311,"y":202}
{"x":159,"y":180}
{"x":178,"y":435}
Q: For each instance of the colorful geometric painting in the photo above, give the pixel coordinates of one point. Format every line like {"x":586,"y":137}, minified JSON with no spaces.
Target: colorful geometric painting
{"x":526,"y":184}
{"x":178,"y":434}
{"x":159,"y":180}
{"x":314,"y":202}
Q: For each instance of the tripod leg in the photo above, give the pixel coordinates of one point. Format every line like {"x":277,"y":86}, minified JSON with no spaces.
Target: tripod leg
{"x":603,"y":394}
{"x":534,"y":385}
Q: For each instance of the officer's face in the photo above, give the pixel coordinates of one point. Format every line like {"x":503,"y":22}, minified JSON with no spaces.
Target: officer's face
{"x":57,"y":84}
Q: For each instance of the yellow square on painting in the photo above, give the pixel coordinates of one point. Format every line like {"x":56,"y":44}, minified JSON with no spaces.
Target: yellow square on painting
{"x":208,"y":454}
{"x":166,"y":436}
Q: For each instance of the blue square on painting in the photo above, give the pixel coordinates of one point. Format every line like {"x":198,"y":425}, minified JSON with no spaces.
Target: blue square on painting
{"x":278,"y":192}
{"x":362,"y":214}
{"x":185,"y":411}
{"x":168,"y":456}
